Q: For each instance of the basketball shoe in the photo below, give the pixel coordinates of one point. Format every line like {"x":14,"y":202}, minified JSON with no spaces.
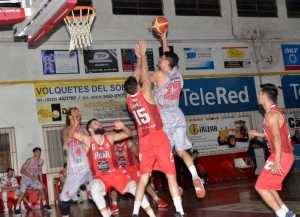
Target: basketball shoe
{"x":200,"y":190}
{"x":161,"y":203}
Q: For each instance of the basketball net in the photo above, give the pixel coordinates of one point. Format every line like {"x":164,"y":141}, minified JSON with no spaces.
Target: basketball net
{"x":79,"y":26}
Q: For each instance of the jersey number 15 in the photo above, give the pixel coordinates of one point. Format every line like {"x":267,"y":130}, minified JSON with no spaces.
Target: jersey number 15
{"x":141,"y":116}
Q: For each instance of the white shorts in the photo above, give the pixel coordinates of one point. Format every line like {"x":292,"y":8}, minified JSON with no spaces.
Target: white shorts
{"x":72,"y":183}
{"x":175,"y":127}
{"x":36,"y":185}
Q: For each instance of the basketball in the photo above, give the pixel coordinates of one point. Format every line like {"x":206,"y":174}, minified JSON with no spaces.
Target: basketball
{"x":159,"y":25}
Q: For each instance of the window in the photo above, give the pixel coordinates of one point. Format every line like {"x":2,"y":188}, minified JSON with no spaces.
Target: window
{"x":293,"y":8}
{"x":198,"y":8}
{"x":55,"y":156}
{"x":137,"y":7}
{"x":7,"y":150}
{"x":84,"y":3}
{"x":10,"y":3}
{"x":256,"y":8}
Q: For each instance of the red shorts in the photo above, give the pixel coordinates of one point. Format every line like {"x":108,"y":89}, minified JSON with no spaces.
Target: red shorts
{"x":155,"y":153}
{"x":134,"y":172}
{"x":10,"y":194}
{"x":118,"y":180}
{"x":268,"y":180}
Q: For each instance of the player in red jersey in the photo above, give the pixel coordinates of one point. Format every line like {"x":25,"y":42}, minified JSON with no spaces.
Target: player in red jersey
{"x":127,"y":153}
{"x":154,"y":145}
{"x":279,"y":163}
{"x":104,"y":165}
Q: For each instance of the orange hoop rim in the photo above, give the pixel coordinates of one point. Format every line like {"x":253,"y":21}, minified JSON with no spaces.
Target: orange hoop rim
{"x":78,"y":8}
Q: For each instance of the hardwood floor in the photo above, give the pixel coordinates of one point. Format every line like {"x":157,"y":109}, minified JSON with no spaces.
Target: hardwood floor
{"x":226,"y":199}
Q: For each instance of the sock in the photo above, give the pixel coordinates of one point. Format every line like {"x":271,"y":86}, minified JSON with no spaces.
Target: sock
{"x":178,"y":204}
{"x":22,"y":205}
{"x":281,"y":213}
{"x":115,"y":203}
{"x":5,"y":205}
{"x":29,"y":204}
{"x":109,"y":211}
{"x":193,"y":171}
{"x":44,"y":202}
{"x":105,"y":213}
{"x":151,"y":213}
{"x":284,"y":208}
{"x":136,"y":207}
{"x":18,"y":206}
{"x":155,"y":198}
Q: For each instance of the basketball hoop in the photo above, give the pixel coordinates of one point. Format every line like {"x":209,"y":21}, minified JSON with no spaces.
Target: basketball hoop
{"x":79,"y":26}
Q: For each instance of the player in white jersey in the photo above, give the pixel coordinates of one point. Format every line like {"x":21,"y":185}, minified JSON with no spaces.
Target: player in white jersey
{"x":10,"y":189}
{"x":168,"y":84}
{"x":31,"y":173}
{"x":78,"y":171}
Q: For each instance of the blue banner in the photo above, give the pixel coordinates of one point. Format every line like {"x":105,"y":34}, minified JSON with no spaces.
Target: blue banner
{"x":218,"y":95}
{"x":291,"y":56}
{"x":291,"y":90}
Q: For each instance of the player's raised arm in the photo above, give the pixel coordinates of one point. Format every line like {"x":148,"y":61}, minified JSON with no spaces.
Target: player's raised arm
{"x":81,"y":137}
{"x":124,"y":132}
{"x":144,"y":78}
{"x":164,"y":41}
{"x":137,"y":69}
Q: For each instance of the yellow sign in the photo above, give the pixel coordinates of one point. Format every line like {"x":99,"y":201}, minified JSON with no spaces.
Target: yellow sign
{"x":194,"y":129}
{"x":234,"y":53}
{"x":101,"y":100}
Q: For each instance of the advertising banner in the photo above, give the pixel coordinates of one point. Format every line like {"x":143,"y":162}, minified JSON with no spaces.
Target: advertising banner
{"x":60,"y":62}
{"x":103,"y":100}
{"x":236,"y":57}
{"x":219,"y":134}
{"x":98,"y":61}
{"x":291,"y":90}
{"x":129,"y":59}
{"x":198,"y":58}
{"x":218,"y":95}
{"x":293,"y":122}
{"x":291,"y":56}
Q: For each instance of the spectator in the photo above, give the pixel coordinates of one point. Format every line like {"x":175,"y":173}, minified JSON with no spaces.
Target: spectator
{"x":254,"y":143}
{"x":296,"y":138}
{"x":10,"y":188}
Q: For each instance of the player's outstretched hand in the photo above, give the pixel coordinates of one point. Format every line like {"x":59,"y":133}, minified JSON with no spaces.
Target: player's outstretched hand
{"x":143,"y":46}
{"x":119,"y":125}
{"x":163,"y":36}
{"x":137,"y":51}
{"x":253,"y":133}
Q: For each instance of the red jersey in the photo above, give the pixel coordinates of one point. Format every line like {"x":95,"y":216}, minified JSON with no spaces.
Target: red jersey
{"x":125,"y":156}
{"x":146,"y":115}
{"x":102,"y":158}
{"x":286,"y":143}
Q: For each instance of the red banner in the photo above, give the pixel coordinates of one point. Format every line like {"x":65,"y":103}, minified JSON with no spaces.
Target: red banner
{"x":12,"y":15}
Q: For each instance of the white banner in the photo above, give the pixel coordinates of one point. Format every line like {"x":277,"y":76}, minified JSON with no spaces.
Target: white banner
{"x":293,"y":122}
{"x":219,"y":134}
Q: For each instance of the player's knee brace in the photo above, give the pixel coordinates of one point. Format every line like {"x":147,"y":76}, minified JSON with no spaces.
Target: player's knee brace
{"x":96,"y":191}
{"x":65,"y":207}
